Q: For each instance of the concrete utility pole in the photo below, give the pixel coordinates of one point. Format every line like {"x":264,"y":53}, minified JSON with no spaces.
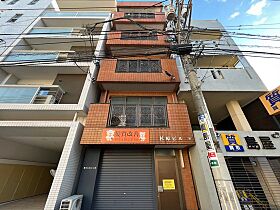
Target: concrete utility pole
{"x":225,"y":189}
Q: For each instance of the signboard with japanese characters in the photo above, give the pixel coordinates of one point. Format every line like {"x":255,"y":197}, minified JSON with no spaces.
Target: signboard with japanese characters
{"x":212,"y":154}
{"x":232,"y":143}
{"x":125,"y":136}
{"x":271,"y":101}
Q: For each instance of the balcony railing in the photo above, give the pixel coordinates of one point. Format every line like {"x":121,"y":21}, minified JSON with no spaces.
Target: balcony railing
{"x":48,"y":56}
{"x":56,"y":31}
{"x":24,"y":94}
{"x":76,"y":14}
{"x":138,"y":116}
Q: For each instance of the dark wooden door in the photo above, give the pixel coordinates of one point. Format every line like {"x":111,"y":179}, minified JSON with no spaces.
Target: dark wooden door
{"x":168,"y":183}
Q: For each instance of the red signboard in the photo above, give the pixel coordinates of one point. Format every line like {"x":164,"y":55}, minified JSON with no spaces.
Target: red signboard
{"x":125,"y":136}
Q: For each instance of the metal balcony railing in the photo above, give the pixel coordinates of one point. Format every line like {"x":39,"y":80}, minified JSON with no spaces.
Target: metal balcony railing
{"x":138,"y":116}
{"x":76,"y":14}
{"x":37,"y":57}
{"x":29,"y":94}
{"x":48,"y":95}
{"x":60,"y":32}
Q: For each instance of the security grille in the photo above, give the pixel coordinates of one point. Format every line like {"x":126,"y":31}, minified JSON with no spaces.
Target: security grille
{"x":247,"y":185}
{"x":275,"y":165}
{"x":138,"y":112}
{"x":136,"y":35}
{"x":139,"y":66}
{"x":140,"y":15}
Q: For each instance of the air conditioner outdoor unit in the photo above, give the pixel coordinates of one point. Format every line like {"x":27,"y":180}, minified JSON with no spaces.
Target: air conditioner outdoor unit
{"x":73,"y":202}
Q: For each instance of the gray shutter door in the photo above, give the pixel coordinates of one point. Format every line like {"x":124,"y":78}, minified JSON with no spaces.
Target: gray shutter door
{"x":125,"y":181}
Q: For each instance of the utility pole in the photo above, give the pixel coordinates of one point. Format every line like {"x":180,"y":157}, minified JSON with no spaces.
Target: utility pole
{"x":225,"y":190}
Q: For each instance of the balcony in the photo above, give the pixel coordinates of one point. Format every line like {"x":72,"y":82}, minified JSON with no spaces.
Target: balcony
{"x":84,"y":5}
{"x":164,"y":124}
{"x":137,"y":44}
{"x":121,"y":75}
{"x":153,"y":21}
{"x":72,"y":19}
{"x":17,"y":94}
{"x":76,"y":14}
{"x":137,"y":116}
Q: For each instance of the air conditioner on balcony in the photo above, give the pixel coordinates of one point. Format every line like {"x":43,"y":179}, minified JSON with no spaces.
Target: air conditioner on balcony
{"x":73,"y":202}
{"x":119,"y":121}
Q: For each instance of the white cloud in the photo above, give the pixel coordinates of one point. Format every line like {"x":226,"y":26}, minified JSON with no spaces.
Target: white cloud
{"x":234,"y":15}
{"x":221,"y":0}
{"x":261,"y":21}
{"x":257,"y":8}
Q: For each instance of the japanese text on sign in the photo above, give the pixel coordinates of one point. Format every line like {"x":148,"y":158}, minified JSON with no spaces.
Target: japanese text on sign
{"x":127,"y":136}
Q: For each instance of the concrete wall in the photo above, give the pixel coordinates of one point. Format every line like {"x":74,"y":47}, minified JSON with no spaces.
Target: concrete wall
{"x":22,"y":152}
{"x":64,"y":180}
{"x":13,"y":30}
{"x":21,"y":181}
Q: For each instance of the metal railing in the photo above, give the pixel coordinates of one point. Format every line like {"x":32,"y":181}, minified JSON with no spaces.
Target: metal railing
{"x":48,"y":95}
{"x":137,"y":115}
{"x":30,"y":94}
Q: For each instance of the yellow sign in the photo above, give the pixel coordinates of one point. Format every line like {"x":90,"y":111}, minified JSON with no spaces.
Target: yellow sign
{"x":168,"y":184}
{"x":232,"y":143}
{"x":271,"y":101}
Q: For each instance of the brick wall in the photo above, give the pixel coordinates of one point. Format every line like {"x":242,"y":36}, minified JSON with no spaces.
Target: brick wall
{"x":179,"y":125}
{"x":114,"y":39}
{"x":108,"y":67}
{"x":188,"y":185}
{"x":159,"y":18}
{"x":105,"y":95}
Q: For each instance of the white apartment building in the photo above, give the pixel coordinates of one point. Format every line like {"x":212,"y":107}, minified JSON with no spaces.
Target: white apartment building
{"x":47,"y":73}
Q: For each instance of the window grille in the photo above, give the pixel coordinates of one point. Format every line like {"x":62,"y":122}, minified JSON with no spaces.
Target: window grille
{"x":275,"y":165}
{"x":138,"y":35}
{"x":140,"y":15}
{"x":139,"y":66}
{"x":248,"y":188}
{"x":138,"y":112}
{"x":14,"y":18}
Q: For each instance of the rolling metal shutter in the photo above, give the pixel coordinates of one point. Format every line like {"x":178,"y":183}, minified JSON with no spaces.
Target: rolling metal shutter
{"x":249,"y":191}
{"x":125,"y":181}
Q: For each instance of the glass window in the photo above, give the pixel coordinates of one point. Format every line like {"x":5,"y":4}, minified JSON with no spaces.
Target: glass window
{"x":14,"y":18}
{"x":17,"y":95}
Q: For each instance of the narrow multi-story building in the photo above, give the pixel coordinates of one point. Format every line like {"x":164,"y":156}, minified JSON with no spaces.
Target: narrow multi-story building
{"x":137,"y":136}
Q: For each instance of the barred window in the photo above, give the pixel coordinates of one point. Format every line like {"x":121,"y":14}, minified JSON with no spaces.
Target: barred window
{"x":138,"y":66}
{"x":140,"y":15}
{"x":138,"y":112}
{"x":138,"y":35}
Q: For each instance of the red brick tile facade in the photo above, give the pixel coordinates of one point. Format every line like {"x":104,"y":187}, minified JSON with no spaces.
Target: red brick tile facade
{"x":159,"y":18}
{"x":179,"y":126}
{"x":187,"y":180}
{"x":139,"y":4}
{"x":108,"y":67}
{"x":114,"y":39}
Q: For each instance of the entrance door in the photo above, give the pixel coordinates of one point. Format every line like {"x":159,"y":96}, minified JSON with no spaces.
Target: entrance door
{"x":169,"y":192}
{"x":125,"y":180}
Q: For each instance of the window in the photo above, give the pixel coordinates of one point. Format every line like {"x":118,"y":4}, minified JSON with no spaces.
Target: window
{"x":138,"y":112}
{"x":33,"y":2}
{"x":14,"y":18}
{"x":13,"y":2}
{"x":138,"y":66}
{"x":139,"y":15}
{"x":137,"y":35}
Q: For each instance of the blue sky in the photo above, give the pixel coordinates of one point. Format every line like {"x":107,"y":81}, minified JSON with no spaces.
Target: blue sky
{"x":263,"y":15}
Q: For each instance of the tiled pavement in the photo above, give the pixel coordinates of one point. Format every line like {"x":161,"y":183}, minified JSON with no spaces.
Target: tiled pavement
{"x":33,"y":203}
